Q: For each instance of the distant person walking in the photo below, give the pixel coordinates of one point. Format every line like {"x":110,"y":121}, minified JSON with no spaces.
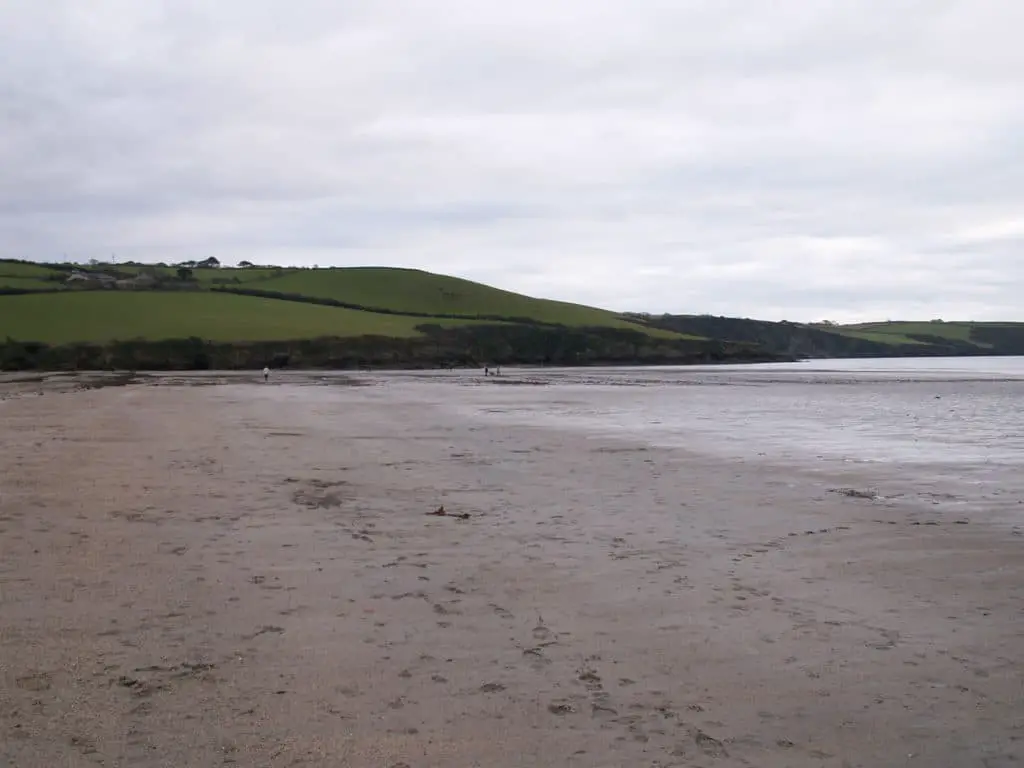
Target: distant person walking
{"x":266,"y":375}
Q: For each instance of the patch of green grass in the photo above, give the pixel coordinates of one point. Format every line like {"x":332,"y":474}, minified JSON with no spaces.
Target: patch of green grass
{"x":106,"y":315}
{"x":236,"y":275}
{"x":131,"y":269}
{"x":30,"y":271}
{"x":421,"y":294}
{"x":881,"y":338}
{"x":957,"y":331}
{"x":408,"y":290}
{"x":28,"y":283}
{"x":900,"y":331}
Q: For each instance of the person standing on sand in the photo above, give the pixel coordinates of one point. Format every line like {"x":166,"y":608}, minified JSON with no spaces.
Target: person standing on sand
{"x":266,"y":374}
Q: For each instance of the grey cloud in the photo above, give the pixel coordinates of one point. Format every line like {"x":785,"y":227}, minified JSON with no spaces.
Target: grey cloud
{"x":801,"y":160}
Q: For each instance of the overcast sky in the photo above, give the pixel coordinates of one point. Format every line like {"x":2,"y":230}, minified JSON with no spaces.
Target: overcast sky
{"x":794,"y":159}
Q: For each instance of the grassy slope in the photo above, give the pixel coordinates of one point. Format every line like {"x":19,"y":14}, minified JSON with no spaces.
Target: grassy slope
{"x":27,"y":276}
{"x":959,"y":331}
{"x":893,"y":337}
{"x":397,"y":290}
{"x":406,"y":290}
{"x":106,"y":315}
{"x":899,"y":332}
{"x":18,"y":269}
{"x":27,"y":283}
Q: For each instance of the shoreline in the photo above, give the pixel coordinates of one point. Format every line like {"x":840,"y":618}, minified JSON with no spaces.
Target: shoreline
{"x":260,"y":564}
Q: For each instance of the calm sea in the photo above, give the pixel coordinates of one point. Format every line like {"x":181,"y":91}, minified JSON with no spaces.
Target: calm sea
{"x":952,"y":410}
{"x":957,"y":423}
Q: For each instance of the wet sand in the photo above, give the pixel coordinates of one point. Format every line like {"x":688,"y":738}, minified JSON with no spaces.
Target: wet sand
{"x":248,"y":575}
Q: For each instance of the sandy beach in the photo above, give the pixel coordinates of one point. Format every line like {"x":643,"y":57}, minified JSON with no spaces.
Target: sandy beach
{"x":250,"y":575}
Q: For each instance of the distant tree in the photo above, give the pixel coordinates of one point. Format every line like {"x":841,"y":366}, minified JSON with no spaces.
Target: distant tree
{"x":245,"y":264}
{"x":213,"y":262}
{"x":184,"y":273}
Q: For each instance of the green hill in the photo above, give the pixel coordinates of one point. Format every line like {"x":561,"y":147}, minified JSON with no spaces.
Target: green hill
{"x":169,"y":317}
{"x":24,"y":269}
{"x":26,"y":283}
{"x":981,"y":335}
{"x":133,"y":315}
{"x":381,"y":290}
{"x":21,"y":276}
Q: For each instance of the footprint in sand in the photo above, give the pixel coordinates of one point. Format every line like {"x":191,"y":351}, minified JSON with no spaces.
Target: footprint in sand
{"x":561,"y":708}
{"x":502,"y":612}
{"x":267,"y":629}
{"x":709,"y":745}
{"x":541,"y":632}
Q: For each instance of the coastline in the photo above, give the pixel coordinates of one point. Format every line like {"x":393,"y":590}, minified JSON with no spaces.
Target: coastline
{"x":260,"y":564}
{"x":432,"y":347}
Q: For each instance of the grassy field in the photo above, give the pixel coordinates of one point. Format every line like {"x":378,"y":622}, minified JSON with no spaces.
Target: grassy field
{"x":900,"y":331}
{"x":91,"y":315}
{"x":21,"y":270}
{"x":177,"y":310}
{"x":28,"y":283}
{"x":955,"y":331}
{"x":107,"y":315}
{"x":406,"y":290}
{"x":868,"y":334}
